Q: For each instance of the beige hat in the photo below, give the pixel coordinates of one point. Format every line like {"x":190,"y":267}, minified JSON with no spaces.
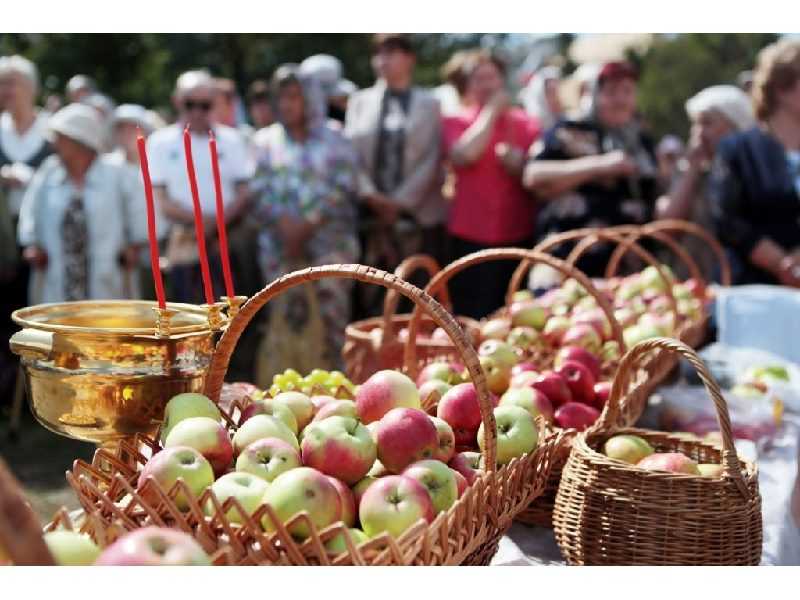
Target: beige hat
{"x":80,"y":123}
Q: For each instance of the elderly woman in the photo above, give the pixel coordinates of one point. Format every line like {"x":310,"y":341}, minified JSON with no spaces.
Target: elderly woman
{"x":598,"y":170}
{"x":715,"y":112}
{"x":306,"y":185}
{"x":755,"y":179}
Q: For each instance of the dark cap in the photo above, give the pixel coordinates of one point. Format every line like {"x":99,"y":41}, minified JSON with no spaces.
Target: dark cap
{"x":616,"y":70}
{"x":392,"y":41}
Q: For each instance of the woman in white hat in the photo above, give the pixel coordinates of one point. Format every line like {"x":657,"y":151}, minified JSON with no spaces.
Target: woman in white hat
{"x":715,"y":112}
{"x":75,"y":221}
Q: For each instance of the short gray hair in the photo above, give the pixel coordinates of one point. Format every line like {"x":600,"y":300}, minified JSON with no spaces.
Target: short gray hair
{"x":22,"y":66}
{"x":191,"y":80}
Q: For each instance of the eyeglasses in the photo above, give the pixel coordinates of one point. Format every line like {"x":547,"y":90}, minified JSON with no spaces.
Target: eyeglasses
{"x":190,"y":105}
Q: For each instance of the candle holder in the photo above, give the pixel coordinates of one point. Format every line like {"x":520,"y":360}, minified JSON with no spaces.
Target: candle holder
{"x":216,"y":320}
{"x":234,"y":304}
{"x":100,"y":371}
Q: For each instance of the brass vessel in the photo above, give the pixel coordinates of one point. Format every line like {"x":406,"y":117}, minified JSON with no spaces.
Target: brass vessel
{"x":100,"y":371}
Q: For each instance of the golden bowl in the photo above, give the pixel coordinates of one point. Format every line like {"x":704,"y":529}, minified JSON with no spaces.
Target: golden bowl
{"x":100,"y":371}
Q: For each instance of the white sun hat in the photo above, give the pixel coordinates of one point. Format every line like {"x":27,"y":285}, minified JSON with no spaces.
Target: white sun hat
{"x":80,"y":123}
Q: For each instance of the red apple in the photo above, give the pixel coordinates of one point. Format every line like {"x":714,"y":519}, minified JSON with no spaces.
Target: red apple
{"x":574,"y":415}
{"x":178,"y":462}
{"x":153,"y":547}
{"x":579,"y":380}
{"x":459,"y":408}
{"x":447,"y":440}
{"x":319,"y":401}
{"x":461,"y":482}
{"x":524,"y":379}
{"x":673,"y":462}
{"x":393,"y":504}
{"x":581,"y":355}
{"x":270,"y":406}
{"x":468,"y":464}
{"x":340,"y":447}
{"x":384,"y":391}
{"x":405,"y":435}
{"x":597,"y":319}
{"x":337,"y":408}
{"x":554,"y":387}
{"x":524,"y":367}
{"x":602,"y":390}
{"x":347,"y":501}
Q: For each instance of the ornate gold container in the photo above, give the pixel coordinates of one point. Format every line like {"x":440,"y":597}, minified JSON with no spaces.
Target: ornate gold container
{"x":99,"y":371}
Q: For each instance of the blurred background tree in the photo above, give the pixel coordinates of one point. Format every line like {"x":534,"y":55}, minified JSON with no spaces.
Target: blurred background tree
{"x":142,"y":67}
{"x":676,"y":67}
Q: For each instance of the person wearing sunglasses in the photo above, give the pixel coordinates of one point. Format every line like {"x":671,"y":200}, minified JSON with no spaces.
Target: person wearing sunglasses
{"x":194,"y":100}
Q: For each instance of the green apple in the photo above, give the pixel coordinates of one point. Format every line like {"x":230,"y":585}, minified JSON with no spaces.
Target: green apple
{"x":495,"y":329}
{"x":300,"y":405}
{"x":710,"y":470}
{"x":298,"y":490}
{"x":184,"y":406}
{"x":172,"y":464}
{"x":70,"y":548}
{"x":208,"y":437}
{"x":438,"y":479}
{"x":267,"y":458}
{"x":260,"y":427}
{"x":269,"y":406}
{"x":530,"y":399}
{"x":248,"y":490}
{"x":627,"y":448}
{"x":516,"y":433}
{"x":501,"y":353}
{"x":336,"y":545}
{"x":361,"y":487}
{"x":393,"y":504}
{"x":447,"y":440}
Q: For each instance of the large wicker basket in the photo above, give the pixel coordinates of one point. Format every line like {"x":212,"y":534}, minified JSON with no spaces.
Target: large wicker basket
{"x":374,"y":344}
{"x":467,"y":534}
{"x":609,"y":512}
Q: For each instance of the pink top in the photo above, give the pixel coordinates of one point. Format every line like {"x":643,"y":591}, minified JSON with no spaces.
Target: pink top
{"x":490,"y":206}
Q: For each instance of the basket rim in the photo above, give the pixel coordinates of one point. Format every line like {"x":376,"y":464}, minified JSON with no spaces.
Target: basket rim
{"x":358,"y":329}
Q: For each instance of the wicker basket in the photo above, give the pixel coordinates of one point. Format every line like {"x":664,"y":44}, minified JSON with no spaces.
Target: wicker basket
{"x":612,"y":513}
{"x":372,"y":344}
{"x":468,"y":533}
{"x":540,"y":511}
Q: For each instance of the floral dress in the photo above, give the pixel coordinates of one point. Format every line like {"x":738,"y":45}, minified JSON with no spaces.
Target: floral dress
{"x":313,"y":180}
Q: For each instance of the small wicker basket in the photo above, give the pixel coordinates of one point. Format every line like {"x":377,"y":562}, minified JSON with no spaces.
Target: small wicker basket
{"x":373,"y":344}
{"x":608,"y":512}
{"x":467,"y":534}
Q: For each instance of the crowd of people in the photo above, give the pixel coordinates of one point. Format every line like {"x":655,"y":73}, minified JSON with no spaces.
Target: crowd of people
{"x":315,"y":171}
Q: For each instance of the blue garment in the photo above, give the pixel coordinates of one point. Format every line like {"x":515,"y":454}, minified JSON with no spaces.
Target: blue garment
{"x":753,"y":195}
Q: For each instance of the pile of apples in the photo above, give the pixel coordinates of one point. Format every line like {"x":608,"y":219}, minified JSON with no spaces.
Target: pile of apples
{"x":635,"y":450}
{"x":378,"y":461}
{"x":146,"y":547}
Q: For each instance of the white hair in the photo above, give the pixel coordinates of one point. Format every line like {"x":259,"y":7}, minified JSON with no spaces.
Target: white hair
{"x":728,"y":100}
{"x":22,"y":66}
{"x":191,"y":80}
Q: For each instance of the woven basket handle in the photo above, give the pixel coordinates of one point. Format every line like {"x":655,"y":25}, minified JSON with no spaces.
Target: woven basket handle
{"x":404,"y":270}
{"x":443,"y":276}
{"x":664,"y":238}
{"x":700,"y":232}
{"x":625,"y":374}
{"x":422,"y":301}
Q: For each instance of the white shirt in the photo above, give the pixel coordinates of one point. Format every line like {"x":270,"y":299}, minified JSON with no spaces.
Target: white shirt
{"x":19,"y":149}
{"x":167,"y":163}
{"x":108,"y":209}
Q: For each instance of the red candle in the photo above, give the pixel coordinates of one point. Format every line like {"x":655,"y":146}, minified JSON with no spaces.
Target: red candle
{"x":221,"y":232}
{"x":199,"y":230}
{"x":151,"y":222}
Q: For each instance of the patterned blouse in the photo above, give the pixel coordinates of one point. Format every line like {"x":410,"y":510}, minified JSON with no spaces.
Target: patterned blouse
{"x":314,"y":180}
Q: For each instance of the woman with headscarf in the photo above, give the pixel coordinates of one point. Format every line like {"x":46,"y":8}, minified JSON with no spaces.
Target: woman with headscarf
{"x":755,"y":180}
{"x":305,"y":187}
{"x":540,"y":97}
{"x":715,"y":112}
{"x":598,"y":170}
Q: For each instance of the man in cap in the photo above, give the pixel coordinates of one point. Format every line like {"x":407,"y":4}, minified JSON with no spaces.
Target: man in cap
{"x":75,"y":217}
{"x":194,"y":97}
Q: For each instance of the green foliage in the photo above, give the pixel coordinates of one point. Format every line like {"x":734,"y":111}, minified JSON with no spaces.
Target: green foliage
{"x":676,"y":68}
{"x":142,"y":67}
